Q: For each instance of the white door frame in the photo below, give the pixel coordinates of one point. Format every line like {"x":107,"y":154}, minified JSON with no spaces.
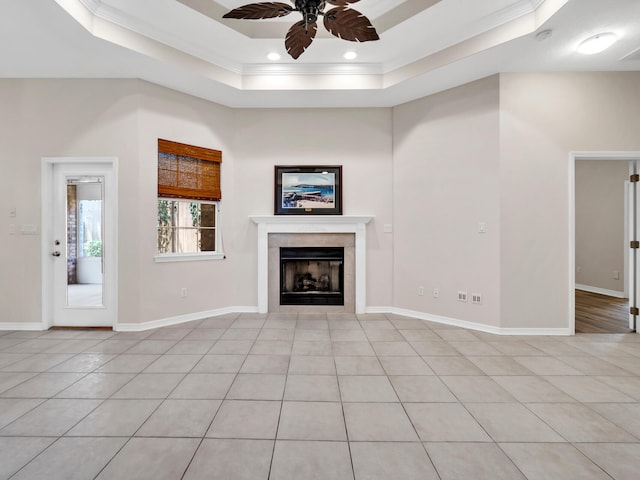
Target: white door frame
{"x":47,"y":206}
{"x":573,"y":157}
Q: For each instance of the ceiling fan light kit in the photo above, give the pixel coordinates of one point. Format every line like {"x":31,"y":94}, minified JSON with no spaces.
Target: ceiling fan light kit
{"x":341,"y":21}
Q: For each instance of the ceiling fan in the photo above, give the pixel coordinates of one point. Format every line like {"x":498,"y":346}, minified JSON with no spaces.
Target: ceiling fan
{"x":342,"y":21}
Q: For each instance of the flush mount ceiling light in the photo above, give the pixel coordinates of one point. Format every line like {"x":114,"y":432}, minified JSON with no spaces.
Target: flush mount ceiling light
{"x":341,"y":21}
{"x":597,"y":43}
{"x":350,"y":55}
{"x":273,"y":56}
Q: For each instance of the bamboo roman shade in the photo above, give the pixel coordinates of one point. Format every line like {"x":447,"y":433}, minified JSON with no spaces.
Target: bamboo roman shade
{"x":185,"y":171}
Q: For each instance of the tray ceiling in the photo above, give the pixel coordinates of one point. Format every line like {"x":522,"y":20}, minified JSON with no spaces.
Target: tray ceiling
{"x":425,"y":46}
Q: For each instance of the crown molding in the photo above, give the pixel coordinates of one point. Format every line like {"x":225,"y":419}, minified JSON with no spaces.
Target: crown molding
{"x":99,"y":9}
{"x":312,"y":69}
{"x":382,"y":17}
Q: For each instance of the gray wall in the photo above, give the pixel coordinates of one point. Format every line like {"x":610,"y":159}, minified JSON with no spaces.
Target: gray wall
{"x":495,"y":151}
{"x":600,"y":224}
{"x":545,"y":117}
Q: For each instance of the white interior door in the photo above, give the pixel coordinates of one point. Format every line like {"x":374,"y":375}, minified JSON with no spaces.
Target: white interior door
{"x":82,"y":245}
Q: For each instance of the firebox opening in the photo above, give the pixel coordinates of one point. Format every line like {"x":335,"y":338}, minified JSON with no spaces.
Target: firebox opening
{"x":311,"y":276}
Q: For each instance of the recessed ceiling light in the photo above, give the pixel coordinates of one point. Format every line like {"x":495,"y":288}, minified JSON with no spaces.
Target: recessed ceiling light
{"x":597,"y":43}
{"x":350,"y":55}
{"x":273,"y":56}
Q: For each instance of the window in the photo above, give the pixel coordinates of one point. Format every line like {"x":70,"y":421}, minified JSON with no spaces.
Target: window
{"x":186,"y":226}
{"x":89,"y":228}
{"x":188,"y":202}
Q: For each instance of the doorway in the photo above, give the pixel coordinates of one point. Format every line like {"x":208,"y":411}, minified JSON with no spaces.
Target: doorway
{"x":599,"y":313}
{"x":602,"y":265}
{"x":79,"y":249}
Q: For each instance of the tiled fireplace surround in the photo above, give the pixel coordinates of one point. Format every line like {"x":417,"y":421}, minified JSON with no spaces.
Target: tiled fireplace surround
{"x":309,"y":231}
{"x":277,"y":240}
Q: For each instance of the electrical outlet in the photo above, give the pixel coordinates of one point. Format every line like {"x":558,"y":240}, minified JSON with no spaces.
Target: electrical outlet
{"x":476,"y":298}
{"x":616,"y":275}
{"x":183,"y":292}
{"x":462,"y":296}
{"x":436,"y":293}
{"x":578,"y":269}
{"x":421,"y":291}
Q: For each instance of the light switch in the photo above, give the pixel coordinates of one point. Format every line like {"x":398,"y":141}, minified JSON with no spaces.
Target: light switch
{"x":12,"y":229}
{"x":12,"y":212}
{"x":482,"y":227}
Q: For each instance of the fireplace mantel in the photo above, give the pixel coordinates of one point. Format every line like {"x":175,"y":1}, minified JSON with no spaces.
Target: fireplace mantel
{"x":312,"y":224}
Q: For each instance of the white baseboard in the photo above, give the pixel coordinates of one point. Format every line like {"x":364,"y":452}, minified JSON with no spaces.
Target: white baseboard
{"x":470,"y":325}
{"x":32,"y":326}
{"x":378,"y":310}
{"x":551,"y":332}
{"x":190,"y":317}
{"x":165,"y":322}
{"x":446,"y":320}
{"x":601,"y":291}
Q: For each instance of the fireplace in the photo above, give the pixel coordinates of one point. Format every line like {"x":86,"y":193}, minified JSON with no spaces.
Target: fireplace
{"x":278,"y":231}
{"x":312,"y":276}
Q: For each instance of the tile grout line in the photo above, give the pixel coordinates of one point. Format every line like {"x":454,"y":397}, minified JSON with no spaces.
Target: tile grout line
{"x":344,"y":417}
{"x":275,"y":439}
{"x":422,"y":443}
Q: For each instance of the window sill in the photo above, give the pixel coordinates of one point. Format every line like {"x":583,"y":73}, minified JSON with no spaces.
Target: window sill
{"x":187,"y":257}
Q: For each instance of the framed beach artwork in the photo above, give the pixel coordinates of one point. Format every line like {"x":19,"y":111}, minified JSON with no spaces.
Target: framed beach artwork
{"x":314,"y":190}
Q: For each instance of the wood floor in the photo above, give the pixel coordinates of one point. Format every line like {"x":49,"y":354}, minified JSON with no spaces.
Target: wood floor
{"x":601,"y":314}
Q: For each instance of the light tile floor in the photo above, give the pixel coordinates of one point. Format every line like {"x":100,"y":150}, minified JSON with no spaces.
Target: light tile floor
{"x":327,"y":397}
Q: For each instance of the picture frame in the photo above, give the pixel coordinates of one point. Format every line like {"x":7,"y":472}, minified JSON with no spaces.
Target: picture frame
{"x":308,"y":190}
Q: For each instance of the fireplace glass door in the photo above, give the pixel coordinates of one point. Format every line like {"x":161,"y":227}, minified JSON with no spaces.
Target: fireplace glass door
{"x":311,"y":276}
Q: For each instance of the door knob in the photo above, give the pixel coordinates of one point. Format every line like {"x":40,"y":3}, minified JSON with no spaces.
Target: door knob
{"x":55,"y":254}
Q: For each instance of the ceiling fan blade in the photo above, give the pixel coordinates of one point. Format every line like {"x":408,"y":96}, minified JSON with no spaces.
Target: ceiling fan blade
{"x":257,"y":11}
{"x":341,"y":2}
{"x":349,"y":24}
{"x":299,"y":37}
